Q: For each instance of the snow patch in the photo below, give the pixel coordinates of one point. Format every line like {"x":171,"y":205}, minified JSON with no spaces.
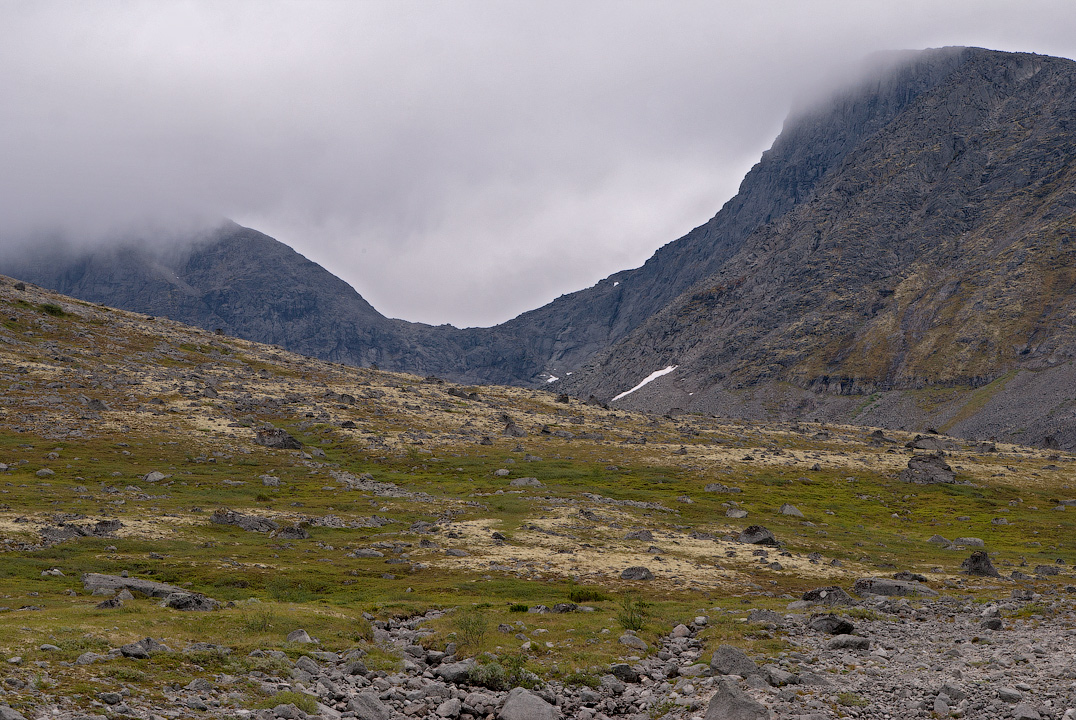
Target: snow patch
{"x":615,"y":283}
{"x":552,"y":378}
{"x":652,"y":376}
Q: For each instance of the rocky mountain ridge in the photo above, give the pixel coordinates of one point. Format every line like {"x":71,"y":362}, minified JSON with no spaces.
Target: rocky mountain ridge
{"x":900,"y":257}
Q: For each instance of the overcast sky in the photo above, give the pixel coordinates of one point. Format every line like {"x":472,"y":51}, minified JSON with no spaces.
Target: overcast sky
{"x":454,"y":161}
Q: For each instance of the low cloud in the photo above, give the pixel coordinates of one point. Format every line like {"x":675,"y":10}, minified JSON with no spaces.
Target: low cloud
{"x":456,"y":162}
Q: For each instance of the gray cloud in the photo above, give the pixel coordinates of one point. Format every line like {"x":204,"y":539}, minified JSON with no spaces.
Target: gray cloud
{"x":455,"y":162}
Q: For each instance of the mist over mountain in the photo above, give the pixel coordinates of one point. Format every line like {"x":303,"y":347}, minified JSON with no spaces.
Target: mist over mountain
{"x":901,"y":256}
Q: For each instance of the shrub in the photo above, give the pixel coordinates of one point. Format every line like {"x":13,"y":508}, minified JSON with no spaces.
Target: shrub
{"x":518,"y":607}
{"x":471,"y":626}
{"x":578,"y":594}
{"x":504,"y":673}
{"x":632,"y":612}
{"x":54,"y":310}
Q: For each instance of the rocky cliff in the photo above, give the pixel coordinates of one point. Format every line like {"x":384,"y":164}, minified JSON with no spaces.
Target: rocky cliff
{"x":937,"y":254}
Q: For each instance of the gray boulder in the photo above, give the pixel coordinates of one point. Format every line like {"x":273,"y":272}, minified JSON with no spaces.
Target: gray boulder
{"x":831,"y":625}
{"x":757,"y":535}
{"x":456,"y":672}
{"x":790,"y":510}
{"x":522,"y":704}
{"x":831,"y":595}
{"x":886,"y":586}
{"x":277,"y":438}
{"x":731,"y":703}
{"x":928,"y":470}
{"x":637,"y":572}
{"x":99,"y":584}
{"x":978,"y":563}
{"x":729,"y":660}
{"x":191,"y":602}
{"x":9,"y":713}
{"x":367,"y":706}
{"x":849,"y":642}
{"x":640,"y":535}
{"x":250,"y":523}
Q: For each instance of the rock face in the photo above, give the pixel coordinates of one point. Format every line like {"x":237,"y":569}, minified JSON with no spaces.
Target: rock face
{"x":861,"y":257}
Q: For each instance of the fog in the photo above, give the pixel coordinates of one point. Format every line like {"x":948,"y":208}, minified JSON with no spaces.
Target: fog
{"x":455,"y":162}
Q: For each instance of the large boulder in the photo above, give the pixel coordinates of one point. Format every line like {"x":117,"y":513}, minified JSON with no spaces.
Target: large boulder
{"x":978,"y":563}
{"x":250,"y":523}
{"x":831,"y":595}
{"x":367,"y":706}
{"x":729,"y":660}
{"x":99,"y":584}
{"x":757,"y":535}
{"x":886,"y":586}
{"x":731,"y":703}
{"x":928,"y":470}
{"x":637,"y":572}
{"x":522,"y":704}
{"x":277,"y":438}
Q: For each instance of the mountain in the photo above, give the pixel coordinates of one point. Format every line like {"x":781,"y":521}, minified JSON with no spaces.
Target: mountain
{"x":929,"y":276}
{"x":901,"y":256}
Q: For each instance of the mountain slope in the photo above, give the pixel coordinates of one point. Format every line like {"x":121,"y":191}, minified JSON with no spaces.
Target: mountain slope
{"x":940,"y":253}
{"x":250,"y":286}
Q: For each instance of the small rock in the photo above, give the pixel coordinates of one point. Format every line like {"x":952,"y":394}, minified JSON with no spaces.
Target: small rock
{"x":299,"y":636}
{"x":849,"y":642}
{"x":729,"y":660}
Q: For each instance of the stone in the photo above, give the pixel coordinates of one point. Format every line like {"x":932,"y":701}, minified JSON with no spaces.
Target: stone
{"x":731,"y":703}
{"x":757,"y":535}
{"x":938,"y":540}
{"x":1010,"y":695}
{"x":367,"y":706}
{"x":633,"y":641}
{"x":637,"y":572}
{"x":44,"y":473}
{"x":1024,"y":711}
{"x":991,"y":623}
{"x":887,"y":586}
{"x":831,"y":625}
{"x":277,"y":438}
{"x":250,"y":523}
{"x":790,"y":510}
{"x":978,"y":563}
{"x":624,"y":672}
{"x":154,"y":476}
{"x":191,"y":602}
{"x":831,"y":595}
{"x":9,"y":713}
{"x":849,"y":642}
{"x":300,"y":636}
{"x":292,"y":532}
{"x":729,"y":660}
{"x":736,"y":513}
{"x":928,"y":470}
{"x":456,"y":672}
{"x":449,"y":708}
{"x":522,"y":704}
{"x":525,"y":482}
{"x":969,"y":542}
{"x":640,"y":535}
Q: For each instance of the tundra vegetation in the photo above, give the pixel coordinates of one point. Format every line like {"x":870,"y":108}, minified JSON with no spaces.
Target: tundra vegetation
{"x":125,"y":441}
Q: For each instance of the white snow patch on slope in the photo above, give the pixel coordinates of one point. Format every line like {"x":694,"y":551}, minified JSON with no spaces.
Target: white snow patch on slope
{"x":652,"y":376}
{"x":552,"y":378}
